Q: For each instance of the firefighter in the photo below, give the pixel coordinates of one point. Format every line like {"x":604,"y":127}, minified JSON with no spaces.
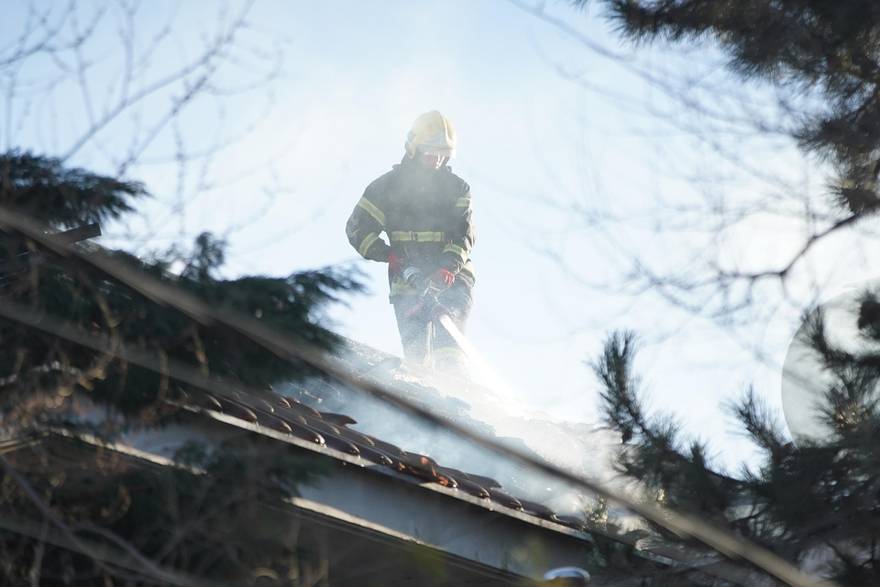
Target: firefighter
{"x":425,"y":212}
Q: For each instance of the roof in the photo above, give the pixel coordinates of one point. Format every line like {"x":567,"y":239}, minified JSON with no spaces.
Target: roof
{"x":373,"y":523}
{"x":381,"y":489}
{"x":339,"y":434}
{"x":373,"y":488}
{"x":333,"y":434}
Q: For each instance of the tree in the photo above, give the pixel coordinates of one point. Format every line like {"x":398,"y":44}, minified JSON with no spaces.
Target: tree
{"x":794,"y":72}
{"x":129,"y":87}
{"x":814,"y":503}
{"x":830,"y":51}
{"x":42,"y":373}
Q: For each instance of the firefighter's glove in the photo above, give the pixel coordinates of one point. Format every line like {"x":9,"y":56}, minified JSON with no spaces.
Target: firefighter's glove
{"x":413,"y":277}
{"x":443,"y":277}
{"x":395,"y":263}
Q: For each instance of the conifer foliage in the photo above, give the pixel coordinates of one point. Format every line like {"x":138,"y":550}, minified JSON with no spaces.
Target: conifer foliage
{"x":828,"y":52}
{"x":192,"y":524}
{"x":814,"y":503}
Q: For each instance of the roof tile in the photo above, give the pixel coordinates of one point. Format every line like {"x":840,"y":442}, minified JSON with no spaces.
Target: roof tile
{"x":288,"y":416}
{"x":505,"y":499}
{"x":238,"y":410}
{"x":472,"y":488}
{"x":338,"y":419}
{"x":341,"y":444}
{"x":539,"y":510}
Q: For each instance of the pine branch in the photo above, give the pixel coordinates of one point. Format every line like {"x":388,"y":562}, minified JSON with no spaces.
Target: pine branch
{"x":676,"y":472}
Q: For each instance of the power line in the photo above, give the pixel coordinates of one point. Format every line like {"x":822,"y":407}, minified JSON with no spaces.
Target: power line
{"x":722,"y":541}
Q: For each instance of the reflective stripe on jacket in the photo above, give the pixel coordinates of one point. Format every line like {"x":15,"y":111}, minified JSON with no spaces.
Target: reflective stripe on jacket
{"x":426,"y":217}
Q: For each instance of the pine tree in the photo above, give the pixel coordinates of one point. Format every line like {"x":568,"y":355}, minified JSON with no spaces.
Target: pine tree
{"x":41,"y":373}
{"x":826,"y":51}
{"x":814,"y":503}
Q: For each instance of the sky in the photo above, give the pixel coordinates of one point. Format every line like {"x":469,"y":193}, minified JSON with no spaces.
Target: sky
{"x":552,"y":135}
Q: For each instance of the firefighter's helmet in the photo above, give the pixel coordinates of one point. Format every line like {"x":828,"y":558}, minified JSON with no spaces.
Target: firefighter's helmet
{"x":431,"y":133}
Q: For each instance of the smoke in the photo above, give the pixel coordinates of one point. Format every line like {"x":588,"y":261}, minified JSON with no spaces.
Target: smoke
{"x":580,"y":448}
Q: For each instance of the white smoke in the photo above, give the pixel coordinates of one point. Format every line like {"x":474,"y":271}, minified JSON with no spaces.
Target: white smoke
{"x":581,"y":448}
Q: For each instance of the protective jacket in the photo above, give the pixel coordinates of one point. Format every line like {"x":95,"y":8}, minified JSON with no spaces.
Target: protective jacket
{"x":426,"y":216}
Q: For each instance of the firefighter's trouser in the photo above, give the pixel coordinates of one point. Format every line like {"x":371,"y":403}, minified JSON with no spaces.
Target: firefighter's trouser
{"x":424,"y":340}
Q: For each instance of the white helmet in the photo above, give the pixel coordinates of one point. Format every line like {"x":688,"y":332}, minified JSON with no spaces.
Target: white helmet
{"x":431,"y":133}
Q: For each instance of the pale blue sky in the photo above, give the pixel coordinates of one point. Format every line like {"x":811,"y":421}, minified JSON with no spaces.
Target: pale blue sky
{"x":534,"y":146}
